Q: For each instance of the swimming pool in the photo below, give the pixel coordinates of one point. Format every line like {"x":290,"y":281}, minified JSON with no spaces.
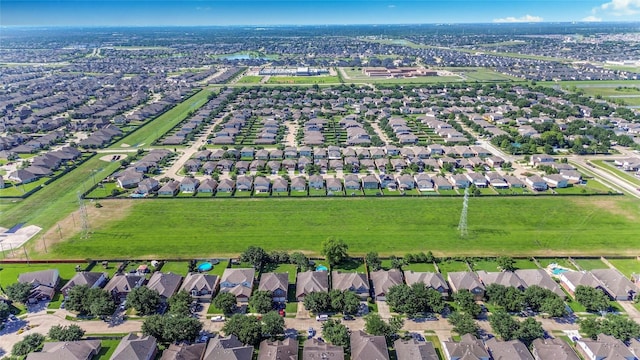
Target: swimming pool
{"x":321,"y":268}
{"x":205,"y":266}
{"x":558,"y":271}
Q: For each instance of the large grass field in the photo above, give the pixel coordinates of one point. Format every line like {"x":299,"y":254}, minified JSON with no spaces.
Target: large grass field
{"x":147,"y":134}
{"x":523,"y":226}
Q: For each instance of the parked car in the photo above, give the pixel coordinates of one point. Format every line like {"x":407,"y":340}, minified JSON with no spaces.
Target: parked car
{"x":348,"y":317}
{"x":311,"y":332}
{"x":217,"y":318}
{"x":322,"y":317}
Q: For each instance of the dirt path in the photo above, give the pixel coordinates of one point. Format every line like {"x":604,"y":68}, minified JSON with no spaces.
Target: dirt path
{"x":380,"y":133}
{"x":292,"y":131}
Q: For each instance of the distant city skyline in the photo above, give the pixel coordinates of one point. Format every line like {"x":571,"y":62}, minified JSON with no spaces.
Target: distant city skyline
{"x":307,"y":12}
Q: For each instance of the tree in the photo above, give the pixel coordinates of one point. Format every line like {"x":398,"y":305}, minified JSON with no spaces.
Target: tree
{"x":144,"y":300}
{"x":554,"y":306}
{"x":246,"y":328}
{"x":466,"y":303}
{"x":100,"y":302}
{"x":402,"y":299}
{"x":66,"y":333}
{"x":272,"y":324}
{"x":429,"y":299}
{"x":336,"y":333}
{"x":504,"y":325}
{"x":301,"y":260}
{"x":254,"y":255}
{"x":225,"y":301}
{"x":334,"y":250}
{"x":180,"y":303}
{"x":374,"y":325}
{"x":373,"y":261}
{"x":30,"y":343}
{"x":529,"y":330}
{"x":171,"y":328}
{"x":77,"y":299}
{"x":506,"y":263}
{"x":463,"y":323}
{"x":618,"y":326}
{"x":5,"y":311}
{"x":18,"y":292}
{"x":261,"y":301}
{"x":179,"y":328}
{"x":317,"y":302}
{"x":591,"y":298}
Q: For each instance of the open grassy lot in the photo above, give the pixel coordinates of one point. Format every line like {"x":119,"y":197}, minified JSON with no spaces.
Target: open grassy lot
{"x":519,"y":226}
{"x":626,"y":266}
{"x":176,"y":267}
{"x":9,"y":272}
{"x":250,"y":79}
{"x":303,"y":80}
{"x":351,"y":265}
{"x":147,"y":134}
{"x":489,"y":265}
{"x":590,"y":264}
{"x":525,"y":264}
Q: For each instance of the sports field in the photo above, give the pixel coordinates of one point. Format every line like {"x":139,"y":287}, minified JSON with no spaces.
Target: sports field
{"x":550,"y":226}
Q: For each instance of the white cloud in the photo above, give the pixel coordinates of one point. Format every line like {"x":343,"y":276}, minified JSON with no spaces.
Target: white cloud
{"x":622,"y":7}
{"x":592,"y":18}
{"x":526,"y":18}
{"x":391,"y":6}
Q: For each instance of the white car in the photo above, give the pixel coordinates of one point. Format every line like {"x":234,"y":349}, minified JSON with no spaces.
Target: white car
{"x":217,"y":318}
{"x":322,"y":317}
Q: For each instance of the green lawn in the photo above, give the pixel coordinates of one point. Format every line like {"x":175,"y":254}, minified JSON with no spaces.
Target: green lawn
{"x":611,"y":168}
{"x":520,"y":226}
{"x":147,"y":134}
{"x":626,"y":266}
{"x":9,"y":272}
{"x":489,"y":265}
{"x":351,"y":265}
{"x":176,"y":267}
{"x":420,"y":267}
{"x":525,"y":264}
{"x":436,"y":344}
{"x":451,"y":266}
{"x":107,"y":349}
{"x":590,"y":264}
{"x":250,"y":79}
{"x":303,"y":80}
{"x":12,"y":189}
{"x":291,"y":269}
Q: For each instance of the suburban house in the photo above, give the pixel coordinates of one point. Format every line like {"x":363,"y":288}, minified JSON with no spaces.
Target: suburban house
{"x":536,"y":183}
{"x":540,"y":278}
{"x":68,"y":350}
{"x":513,"y":181}
{"x":286,"y":349}
{"x":556,"y":181}
{"x":541,"y":159}
{"x":466,"y":280}
{"x":184,"y":351}
{"x":616,"y":285}
{"x":383,"y":280}
{"x":368,"y":347}
{"x":261,"y":184}
{"x":243,"y":183}
{"x":315,"y":349}
{"x":166,"y":284}
{"x":201,"y":287}
{"x":333,"y":185}
{"x":43,"y":284}
{"x":121,"y":285}
{"x":415,"y":350}
{"x":570,"y":280}
{"x":90,"y":279}
{"x":298,"y":184}
{"x":469,"y":347}
{"x":226,"y":185}
{"x":147,"y":186}
{"x":311,"y":281}
{"x":208,"y":186}
{"x":441,"y":183}
{"x":227,"y":348}
{"x":134,"y":347}
{"x":369,"y":182}
{"x":544,"y":349}
{"x":169,"y":189}
{"x":512,"y":350}
{"x":277,"y":284}
{"x":424,"y":182}
{"x":351,"y":281}
{"x":431,"y":280}
{"x":189,"y":185}
{"x":239,"y":282}
{"x":504,"y":278}
{"x":317,"y":182}
{"x":604,"y":347}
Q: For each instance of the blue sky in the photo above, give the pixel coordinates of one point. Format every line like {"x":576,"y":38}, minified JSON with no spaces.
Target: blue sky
{"x":268,"y":12}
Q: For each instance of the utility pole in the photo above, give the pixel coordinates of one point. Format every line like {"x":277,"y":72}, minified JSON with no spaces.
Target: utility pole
{"x":462,"y":225}
{"x":84,"y":218}
{"x":44,"y":243}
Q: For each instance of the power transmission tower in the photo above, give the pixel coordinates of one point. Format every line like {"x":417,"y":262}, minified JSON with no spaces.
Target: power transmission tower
{"x":84,"y":218}
{"x":462,"y":225}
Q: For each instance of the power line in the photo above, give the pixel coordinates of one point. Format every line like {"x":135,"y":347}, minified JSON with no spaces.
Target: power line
{"x":84,"y":218}
{"x":462,"y":225}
